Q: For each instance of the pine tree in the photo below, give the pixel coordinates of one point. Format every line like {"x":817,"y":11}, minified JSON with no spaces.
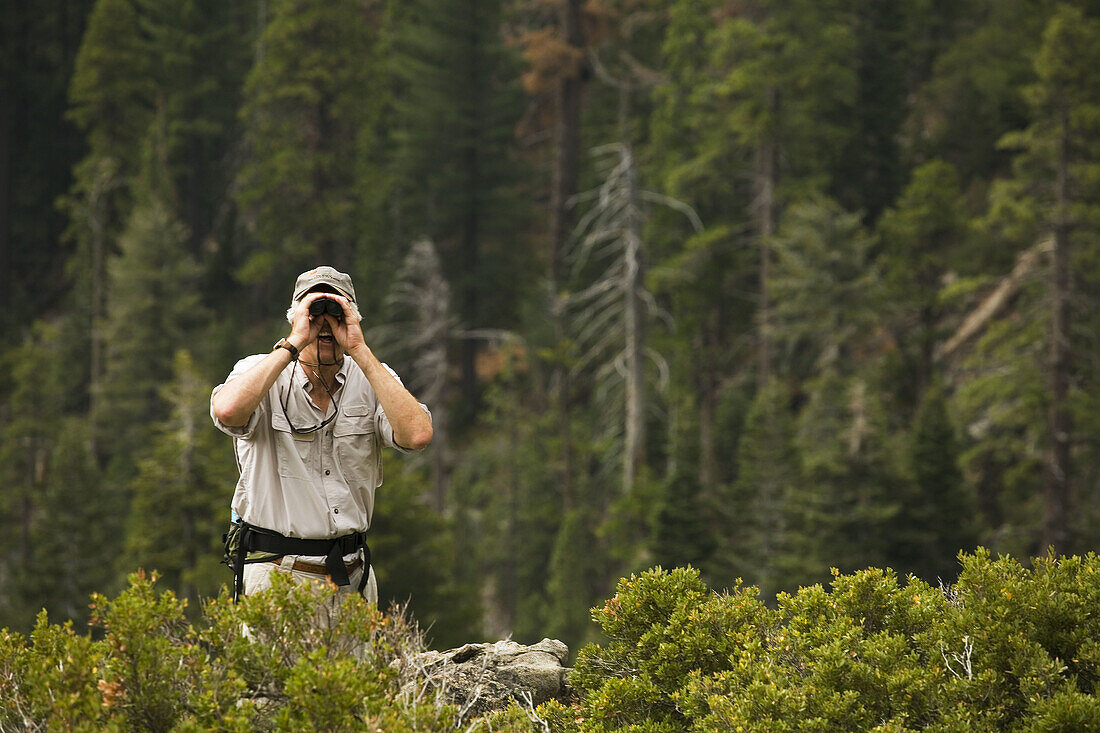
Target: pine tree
{"x":937,"y":515}
{"x":999,"y":404}
{"x":1054,"y":186}
{"x":573,"y":582}
{"x":754,"y":537}
{"x":310,"y":111}
{"x":925,"y":236}
{"x":611,"y":311}
{"x":682,"y":536}
{"x":704,"y":276}
{"x":972,"y":97}
{"x":869,"y":173}
{"x":111,"y":96}
{"x":198,"y":51}
{"x":154,"y":306}
{"x":555,"y":79}
{"x":842,"y":511}
{"x":786,"y":75}
{"x":184,"y":482}
{"x":827,"y":288}
{"x":741,"y":127}
{"x":113,"y":92}
{"x":845,"y":509}
{"x":148,"y":75}
{"x":417,"y":330}
{"x":59,"y":526}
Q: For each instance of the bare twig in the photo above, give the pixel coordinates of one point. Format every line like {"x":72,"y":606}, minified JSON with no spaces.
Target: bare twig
{"x":528,"y":705}
{"x":962,"y":659}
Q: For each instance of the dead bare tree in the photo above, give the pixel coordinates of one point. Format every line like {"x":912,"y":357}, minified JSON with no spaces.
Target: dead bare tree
{"x":417,"y":324}
{"x":418,"y":327}
{"x":609,"y":314}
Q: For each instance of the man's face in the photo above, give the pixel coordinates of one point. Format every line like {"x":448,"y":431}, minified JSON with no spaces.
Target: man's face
{"x":329,"y":350}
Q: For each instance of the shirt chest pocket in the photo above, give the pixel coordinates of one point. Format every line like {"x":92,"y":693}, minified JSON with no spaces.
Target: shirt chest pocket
{"x":355,"y":441}
{"x":295,"y":452}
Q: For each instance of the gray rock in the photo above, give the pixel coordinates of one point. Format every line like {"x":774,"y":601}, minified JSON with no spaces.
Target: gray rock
{"x":481,"y":678}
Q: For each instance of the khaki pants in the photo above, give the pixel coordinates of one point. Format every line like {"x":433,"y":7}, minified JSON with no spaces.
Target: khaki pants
{"x":257,"y":577}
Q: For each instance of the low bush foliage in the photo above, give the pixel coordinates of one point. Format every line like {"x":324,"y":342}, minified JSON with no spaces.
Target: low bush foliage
{"x":259,"y":665}
{"x":1007,"y":648}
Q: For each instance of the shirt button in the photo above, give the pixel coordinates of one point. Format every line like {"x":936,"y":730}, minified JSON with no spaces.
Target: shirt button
{"x":327,"y":472}
{"x":336,"y":510}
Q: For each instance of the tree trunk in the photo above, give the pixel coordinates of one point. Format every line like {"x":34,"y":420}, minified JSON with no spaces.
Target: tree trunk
{"x":25,"y":543}
{"x":634,"y":431}
{"x":567,"y":142}
{"x":7,"y":106}
{"x":14,"y":59}
{"x":764,"y":178}
{"x":1056,"y":478}
{"x":511,"y":582}
{"x":706,"y":344}
{"x":187,"y":431}
{"x":563,"y":187}
{"x":6,"y":259}
{"x":471,"y":258}
{"x":707,"y":463}
{"x":468,"y":348}
{"x":261,"y":23}
{"x":97,"y":212}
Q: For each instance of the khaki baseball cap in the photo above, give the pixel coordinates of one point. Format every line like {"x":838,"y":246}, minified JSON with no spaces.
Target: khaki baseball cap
{"x":325,"y":275}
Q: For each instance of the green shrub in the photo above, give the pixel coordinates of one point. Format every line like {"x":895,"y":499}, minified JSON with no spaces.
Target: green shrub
{"x":1005,"y":648}
{"x":262,"y":664}
{"x":50,"y":683}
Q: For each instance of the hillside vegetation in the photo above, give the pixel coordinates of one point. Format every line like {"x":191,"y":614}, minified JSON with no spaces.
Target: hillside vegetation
{"x":1006,"y":648}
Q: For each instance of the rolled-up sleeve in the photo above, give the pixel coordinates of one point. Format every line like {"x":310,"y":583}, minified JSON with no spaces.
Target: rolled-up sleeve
{"x":385,"y":430}
{"x":240,"y":431}
{"x":382,"y":422}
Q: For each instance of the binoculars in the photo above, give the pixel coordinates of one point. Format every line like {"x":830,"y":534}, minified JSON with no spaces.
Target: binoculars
{"x":326,"y":305}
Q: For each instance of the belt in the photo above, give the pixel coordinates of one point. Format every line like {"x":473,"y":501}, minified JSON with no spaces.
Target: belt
{"x":315,"y":569}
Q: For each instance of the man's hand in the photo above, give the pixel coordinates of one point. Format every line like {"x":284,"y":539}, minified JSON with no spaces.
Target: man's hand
{"x":348,"y":332}
{"x":305,"y":328}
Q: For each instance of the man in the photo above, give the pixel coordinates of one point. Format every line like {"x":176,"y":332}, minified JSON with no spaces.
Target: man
{"x":309,"y":420}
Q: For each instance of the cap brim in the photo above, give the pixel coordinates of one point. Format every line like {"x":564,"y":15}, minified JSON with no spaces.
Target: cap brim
{"x":302,"y":293}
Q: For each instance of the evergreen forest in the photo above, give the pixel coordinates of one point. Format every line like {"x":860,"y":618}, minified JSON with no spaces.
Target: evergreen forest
{"x":763,"y":287}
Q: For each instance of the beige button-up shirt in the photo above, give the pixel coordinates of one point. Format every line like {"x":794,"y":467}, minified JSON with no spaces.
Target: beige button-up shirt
{"x":314,"y":485}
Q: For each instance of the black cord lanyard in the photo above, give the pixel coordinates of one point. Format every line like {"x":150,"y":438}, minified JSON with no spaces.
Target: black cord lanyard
{"x":284,"y":400}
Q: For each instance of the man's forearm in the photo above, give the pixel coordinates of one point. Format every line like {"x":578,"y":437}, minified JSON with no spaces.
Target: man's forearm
{"x":238,"y":398}
{"x":412,"y":426}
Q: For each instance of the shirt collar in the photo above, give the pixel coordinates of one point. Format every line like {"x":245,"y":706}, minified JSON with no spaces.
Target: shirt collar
{"x":342,"y":375}
{"x":302,"y":379}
